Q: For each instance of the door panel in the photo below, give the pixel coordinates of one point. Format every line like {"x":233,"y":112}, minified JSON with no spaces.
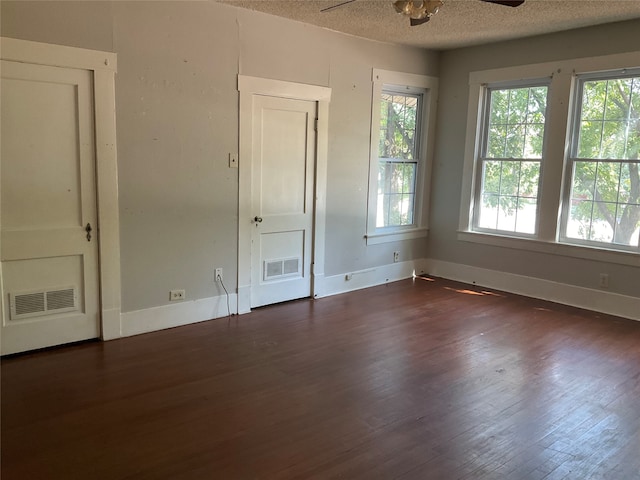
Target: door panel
{"x":283,"y":182}
{"x":282,"y":198}
{"x":49,"y":263}
{"x":45,"y":183}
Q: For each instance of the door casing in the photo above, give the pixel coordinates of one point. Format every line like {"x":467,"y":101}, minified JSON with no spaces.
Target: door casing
{"x":248,"y":87}
{"x":102,"y":66}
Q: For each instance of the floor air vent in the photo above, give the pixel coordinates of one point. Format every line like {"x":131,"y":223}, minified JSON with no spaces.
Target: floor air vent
{"x":43,"y":302}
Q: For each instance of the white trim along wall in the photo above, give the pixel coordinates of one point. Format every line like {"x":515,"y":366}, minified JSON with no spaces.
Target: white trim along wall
{"x":581,"y":297}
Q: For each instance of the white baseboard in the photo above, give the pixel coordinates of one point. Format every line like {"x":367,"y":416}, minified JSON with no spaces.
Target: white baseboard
{"x":184,"y":313}
{"x":588,"y":298}
{"x":111,"y":324}
{"x":175,"y":315}
{"x":370,"y":277}
{"x":244,"y":299}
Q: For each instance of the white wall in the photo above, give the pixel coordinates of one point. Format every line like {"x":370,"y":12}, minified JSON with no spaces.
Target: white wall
{"x":455,"y":67}
{"x":177,"y":114}
{"x":177,"y":120}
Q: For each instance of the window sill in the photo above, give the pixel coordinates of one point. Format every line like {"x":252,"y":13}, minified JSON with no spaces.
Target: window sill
{"x":553,"y":248}
{"x":396,"y":235}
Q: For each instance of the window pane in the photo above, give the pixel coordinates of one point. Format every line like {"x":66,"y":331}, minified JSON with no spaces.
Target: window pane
{"x":537,"y":104}
{"x":635,"y":99}
{"x":609,"y":126}
{"x":584,"y":179}
{"x":618,"y":97}
{"x":579,"y":222}
{"x":407,"y":209}
{"x":497,"y":141}
{"x":629,"y":234}
{"x":608,"y":176}
{"x":396,"y":193}
{"x":526,"y":215}
{"x":509,"y":196}
{"x":518,"y":105}
{"x":510,"y":178}
{"x":491,"y":177}
{"x":515,"y":141}
{"x":614,"y":216}
{"x":507,"y":214}
{"x":529,"y":178}
{"x":533,"y":141}
{"x":593,"y":100}
{"x":633,"y":140}
{"x":614,"y":135}
{"x":516,"y":122}
{"x":398,"y":124}
{"x":601,"y":222}
{"x":627,"y":193}
{"x":489,"y":212}
{"x":590,"y":139}
{"x":499,"y":107}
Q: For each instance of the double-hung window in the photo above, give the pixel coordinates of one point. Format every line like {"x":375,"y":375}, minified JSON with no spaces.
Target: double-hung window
{"x":553,"y":164}
{"x":398,"y":157}
{"x":510,"y":158}
{"x":402,"y":119}
{"x":602,"y":202}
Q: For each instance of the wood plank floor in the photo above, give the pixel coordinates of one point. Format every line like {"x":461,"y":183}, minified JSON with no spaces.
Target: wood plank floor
{"x":424,"y":379}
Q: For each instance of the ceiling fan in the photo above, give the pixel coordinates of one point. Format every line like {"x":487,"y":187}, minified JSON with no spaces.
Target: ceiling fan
{"x":421,"y":11}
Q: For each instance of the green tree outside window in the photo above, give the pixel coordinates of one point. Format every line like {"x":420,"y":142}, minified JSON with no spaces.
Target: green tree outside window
{"x":605,"y":186}
{"x":512,"y":157}
{"x":397,"y":159}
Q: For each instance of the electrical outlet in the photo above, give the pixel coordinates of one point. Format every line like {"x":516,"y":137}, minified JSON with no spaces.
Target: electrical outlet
{"x":218,"y":275}
{"x":604,"y":280}
{"x":396,"y":257}
{"x":176,"y":295}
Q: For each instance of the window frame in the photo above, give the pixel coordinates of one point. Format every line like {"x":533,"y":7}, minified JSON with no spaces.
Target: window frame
{"x":553,"y":182}
{"x":401,"y":83}
{"x":573,"y":140}
{"x":481,"y":152}
{"x":418,"y":94}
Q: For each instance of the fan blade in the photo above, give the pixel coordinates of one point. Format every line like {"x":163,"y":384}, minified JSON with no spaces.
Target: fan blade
{"x":418,"y":21}
{"x":507,"y":3}
{"x":336,"y":6}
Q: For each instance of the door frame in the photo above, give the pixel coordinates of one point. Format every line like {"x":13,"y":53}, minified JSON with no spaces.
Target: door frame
{"x":103,"y":66}
{"x":248,"y":87}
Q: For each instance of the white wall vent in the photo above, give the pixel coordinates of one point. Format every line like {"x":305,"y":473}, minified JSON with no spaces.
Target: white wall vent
{"x":43,"y":302}
{"x":282,"y":268}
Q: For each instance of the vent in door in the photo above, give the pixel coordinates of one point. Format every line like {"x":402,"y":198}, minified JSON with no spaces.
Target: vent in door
{"x":43,"y":302}
{"x":281,"y":268}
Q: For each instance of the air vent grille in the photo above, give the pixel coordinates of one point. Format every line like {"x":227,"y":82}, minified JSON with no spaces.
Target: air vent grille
{"x":291,"y":266}
{"x":43,"y":302}
{"x":274,"y":269}
{"x":29,"y":303}
{"x":282,"y":268}
{"x":60,"y":299}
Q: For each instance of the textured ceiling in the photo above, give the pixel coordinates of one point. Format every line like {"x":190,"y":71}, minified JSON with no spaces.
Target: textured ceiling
{"x":459,"y":23}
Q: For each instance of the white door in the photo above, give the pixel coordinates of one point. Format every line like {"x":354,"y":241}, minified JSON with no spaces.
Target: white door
{"x":48,"y":244}
{"x":283,"y":162}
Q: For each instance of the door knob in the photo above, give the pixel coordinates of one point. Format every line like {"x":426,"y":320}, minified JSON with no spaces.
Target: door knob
{"x":257,"y":219}
{"x":88,"y":229}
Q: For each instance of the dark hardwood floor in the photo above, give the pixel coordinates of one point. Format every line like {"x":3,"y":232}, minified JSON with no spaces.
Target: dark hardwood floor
{"x":424,"y":379}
